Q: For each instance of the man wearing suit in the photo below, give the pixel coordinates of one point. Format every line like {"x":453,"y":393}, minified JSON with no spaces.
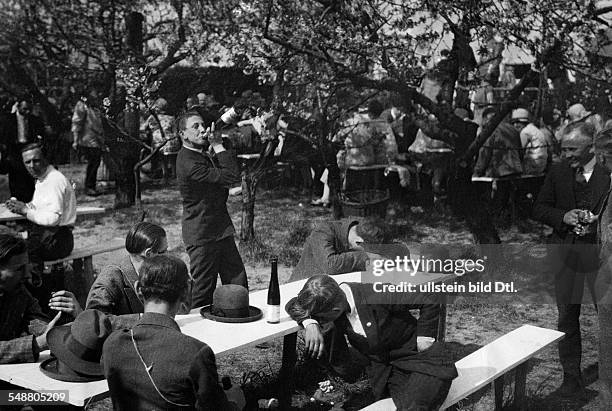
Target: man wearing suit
{"x":403,"y":359}
{"x":154,"y":366}
{"x":17,"y":130}
{"x":574,"y":191}
{"x":208,"y":233}
{"x":603,"y":153}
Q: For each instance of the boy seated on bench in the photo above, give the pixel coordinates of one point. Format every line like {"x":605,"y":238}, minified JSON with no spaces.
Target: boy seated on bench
{"x":114,"y":291}
{"x":23,"y":325}
{"x":154,"y":365}
{"x":404,"y":361}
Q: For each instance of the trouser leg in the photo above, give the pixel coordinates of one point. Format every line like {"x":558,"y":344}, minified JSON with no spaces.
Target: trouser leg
{"x":204,"y":268}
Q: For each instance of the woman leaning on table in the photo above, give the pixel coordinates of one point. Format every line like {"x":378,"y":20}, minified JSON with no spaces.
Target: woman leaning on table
{"x":403,"y":360}
{"x":114,"y":292}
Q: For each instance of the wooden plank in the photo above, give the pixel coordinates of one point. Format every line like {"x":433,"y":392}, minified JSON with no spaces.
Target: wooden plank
{"x":490,"y":363}
{"x":82,"y":252}
{"x":6,"y":215}
{"x":497,"y":358}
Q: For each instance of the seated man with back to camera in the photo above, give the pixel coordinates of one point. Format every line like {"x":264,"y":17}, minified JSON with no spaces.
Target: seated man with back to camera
{"x":402,"y":358}
{"x":154,"y":366}
{"x":51,"y":215}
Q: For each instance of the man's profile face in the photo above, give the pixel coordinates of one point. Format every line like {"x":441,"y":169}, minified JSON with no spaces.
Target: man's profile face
{"x":519,"y":125}
{"x":355,"y":241}
{"x":195,"y":132}
{"x":24,"y":108}
{"x":35,"y":162}
{"x":577,"y":150}
{"x":13,"y":273}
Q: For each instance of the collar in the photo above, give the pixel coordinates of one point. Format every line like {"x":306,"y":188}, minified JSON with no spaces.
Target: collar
{"x":127,"y":269}
{"x":161,"y":320}
{"x":588,"y":167}
{"x":194,"y":149}
{"x":46,"y":173}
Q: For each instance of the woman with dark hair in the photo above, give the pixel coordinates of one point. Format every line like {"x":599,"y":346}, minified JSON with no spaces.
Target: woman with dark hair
{"x":403,"y":359}
{"x":114,"y":291}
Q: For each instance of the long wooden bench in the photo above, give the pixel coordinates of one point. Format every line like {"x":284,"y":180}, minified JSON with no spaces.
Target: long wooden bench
{"x":82,"y":276}
{"x":489,"y":364}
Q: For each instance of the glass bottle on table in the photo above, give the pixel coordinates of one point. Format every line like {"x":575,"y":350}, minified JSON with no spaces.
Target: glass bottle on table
{"x":273,"y":314}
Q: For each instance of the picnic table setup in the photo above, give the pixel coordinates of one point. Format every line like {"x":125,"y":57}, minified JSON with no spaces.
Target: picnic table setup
{"x":215,"y":334}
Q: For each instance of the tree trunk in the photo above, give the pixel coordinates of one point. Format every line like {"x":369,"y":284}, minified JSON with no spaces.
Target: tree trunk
{"x":249,"y":188}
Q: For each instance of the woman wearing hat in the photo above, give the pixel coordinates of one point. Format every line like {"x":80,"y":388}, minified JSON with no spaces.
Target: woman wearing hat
{"x":114,"y":291}
{"x":404,"y":361}
{"x":153,"y":366}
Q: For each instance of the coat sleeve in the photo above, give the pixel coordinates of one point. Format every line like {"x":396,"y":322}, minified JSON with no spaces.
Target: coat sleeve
{"x":102,"y":295}
{"x":484,"y":157}
{"x":227,"y":173}
{"x":545,"y":209}
{"x":203,"y":375}
{"x":24,"y":348}
{"x":336,"y":262}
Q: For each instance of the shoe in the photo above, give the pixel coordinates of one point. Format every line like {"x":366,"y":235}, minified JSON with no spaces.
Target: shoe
{"x":572,"y":387}
{"x":91,"y":192}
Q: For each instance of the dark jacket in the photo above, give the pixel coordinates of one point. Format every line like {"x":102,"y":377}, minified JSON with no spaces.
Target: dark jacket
{"x":113,"y":291}
{"x":203,"y":182}
{"x":501,"y":154}
{"x":391,"y":336}
{"x":183,"y":368}
{"x":21,"y":319}
{"x":327,"y":251}
{"x":557,"y":197}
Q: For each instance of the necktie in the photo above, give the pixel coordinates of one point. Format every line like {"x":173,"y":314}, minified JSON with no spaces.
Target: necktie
{"x":580,"y":175}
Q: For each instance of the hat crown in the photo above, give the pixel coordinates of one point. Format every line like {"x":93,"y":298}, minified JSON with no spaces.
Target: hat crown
{"x":520,"y":114}
{"x":231,"y":297}
{"x":91,"y":328}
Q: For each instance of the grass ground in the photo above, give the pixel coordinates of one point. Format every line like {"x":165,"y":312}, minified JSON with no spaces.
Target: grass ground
{"x":283,"y":221}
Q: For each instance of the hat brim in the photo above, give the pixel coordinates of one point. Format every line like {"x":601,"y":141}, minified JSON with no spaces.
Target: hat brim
{"x":49,"y":367}
{"x":57,"y":341}
{"x":254,"y":315}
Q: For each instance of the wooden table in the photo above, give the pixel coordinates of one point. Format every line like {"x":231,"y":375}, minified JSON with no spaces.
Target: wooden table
{"x":6,"y":215}
{"x":223,"y":338}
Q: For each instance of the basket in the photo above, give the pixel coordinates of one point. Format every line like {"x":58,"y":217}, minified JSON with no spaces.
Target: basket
{"x":364,"y":203}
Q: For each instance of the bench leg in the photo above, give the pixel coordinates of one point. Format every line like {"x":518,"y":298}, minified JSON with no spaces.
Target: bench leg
{"x":287,"y":370}
{"x":442,"y":323}
{"x":499,"y":392}
{"x":519,"y":386}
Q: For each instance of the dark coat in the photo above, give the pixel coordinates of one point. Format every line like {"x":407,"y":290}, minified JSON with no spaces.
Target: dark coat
{"x":391,"y":336}
{"x":327,"y":251}
{"x":113,"y":291}
{"x":21,"y":319}
{"x":183,"y":368}
{"x":501,"y":154}
{"x":203,"y":182}
{"x":557,"y":197}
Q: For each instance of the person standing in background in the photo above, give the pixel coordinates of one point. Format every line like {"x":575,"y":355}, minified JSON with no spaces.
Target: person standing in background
{"x":88,"y":137}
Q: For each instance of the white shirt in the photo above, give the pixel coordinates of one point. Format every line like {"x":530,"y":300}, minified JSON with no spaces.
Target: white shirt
{"x":53,"y":202}
{"x":588,"y":169}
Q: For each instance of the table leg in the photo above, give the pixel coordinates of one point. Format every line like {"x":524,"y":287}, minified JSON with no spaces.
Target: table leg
{"x":287,"y":370}
{"x":499,"y":392}
{"x":519,"y":386}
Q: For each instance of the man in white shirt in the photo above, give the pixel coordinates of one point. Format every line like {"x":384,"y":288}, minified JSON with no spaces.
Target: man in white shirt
{"x":51,"y":213}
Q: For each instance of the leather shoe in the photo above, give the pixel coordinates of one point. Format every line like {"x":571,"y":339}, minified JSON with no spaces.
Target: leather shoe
{"x":572,"y":387}
{"x":91,"y":192}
